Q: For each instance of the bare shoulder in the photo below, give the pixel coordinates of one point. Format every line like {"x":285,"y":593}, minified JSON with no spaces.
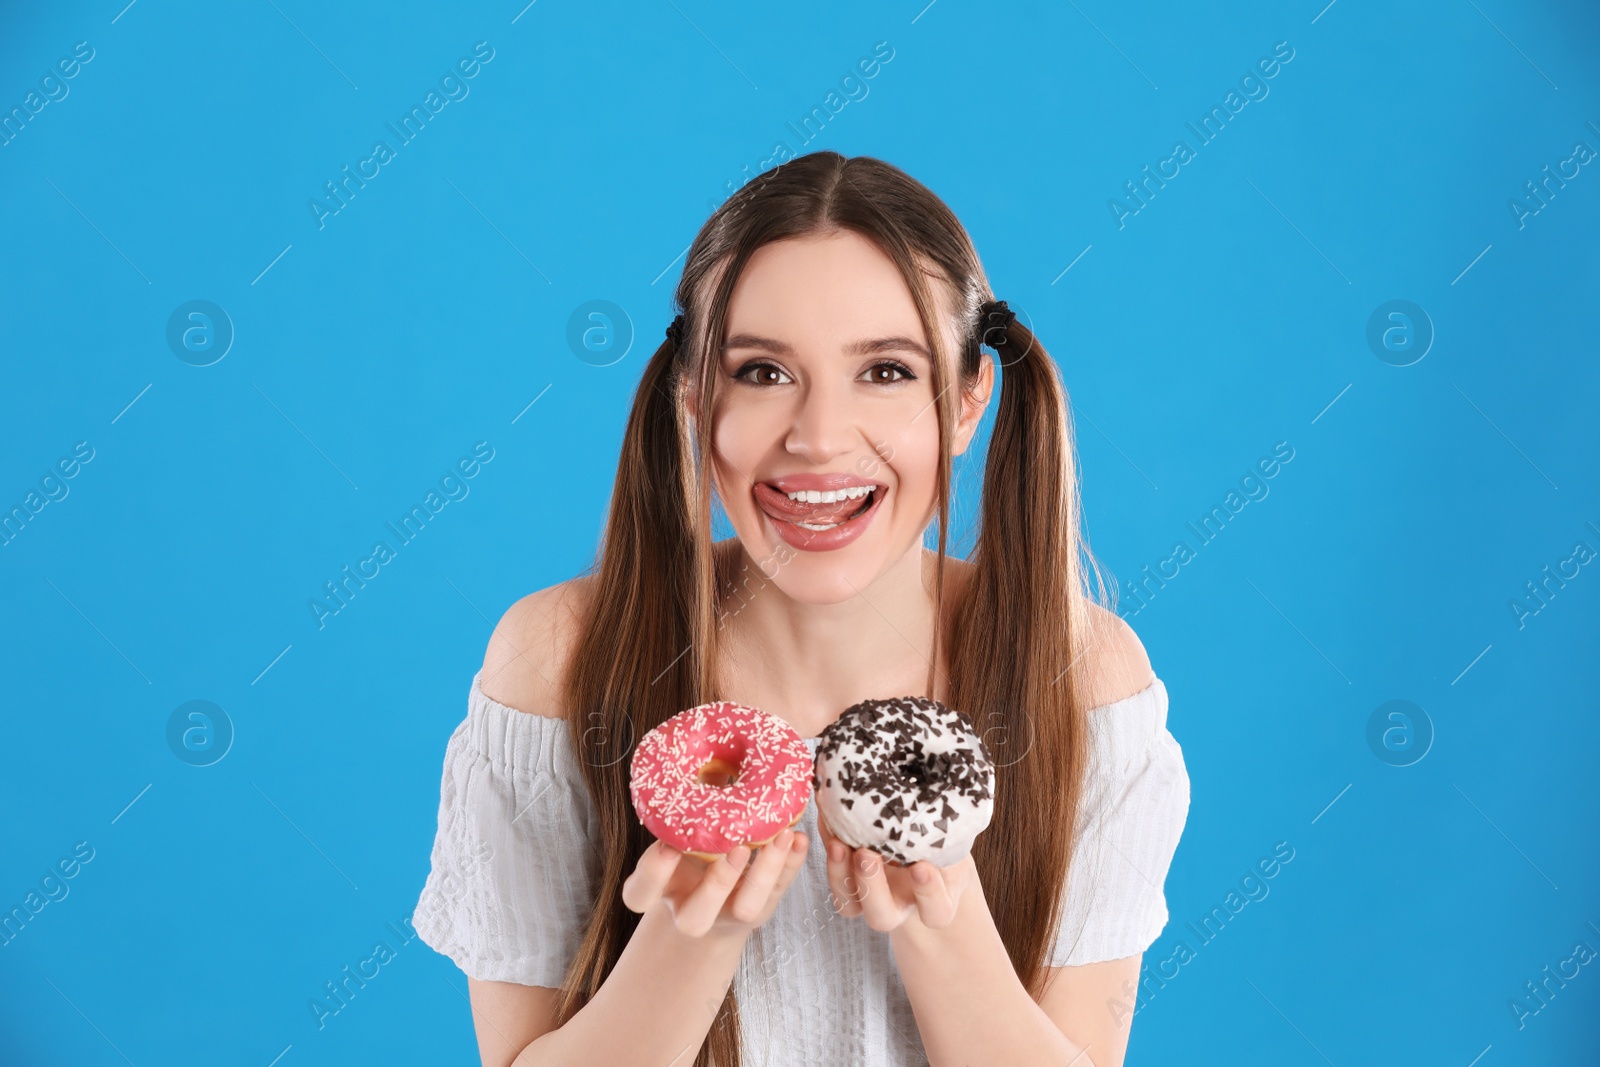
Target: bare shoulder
{"x":1114,"y":657}
{"x":526,"y":662}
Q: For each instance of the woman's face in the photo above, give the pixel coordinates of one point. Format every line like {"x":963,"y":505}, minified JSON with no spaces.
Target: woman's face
{"x":824,"y":388}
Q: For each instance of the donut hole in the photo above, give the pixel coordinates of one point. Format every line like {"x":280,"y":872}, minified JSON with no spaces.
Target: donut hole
{"x":919,"y":771}
{"x":718,"y":772}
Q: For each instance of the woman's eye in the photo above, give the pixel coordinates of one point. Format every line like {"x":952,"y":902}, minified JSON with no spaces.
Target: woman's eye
{"x":742,"y":374}
{"x":889,"y":367}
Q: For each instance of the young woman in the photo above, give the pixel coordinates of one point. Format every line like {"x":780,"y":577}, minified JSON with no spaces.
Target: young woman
{"x":833,"y":311}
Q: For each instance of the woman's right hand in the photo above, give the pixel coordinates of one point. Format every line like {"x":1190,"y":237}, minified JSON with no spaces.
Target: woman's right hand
{"x":733,"y":894}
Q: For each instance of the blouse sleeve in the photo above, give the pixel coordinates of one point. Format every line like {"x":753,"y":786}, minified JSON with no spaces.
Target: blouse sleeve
{"x":513,"y":871}
{"x":1135,"y":805}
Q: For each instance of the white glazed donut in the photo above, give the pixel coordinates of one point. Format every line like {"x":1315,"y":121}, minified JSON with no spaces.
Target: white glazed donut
{"x":905,"y":777}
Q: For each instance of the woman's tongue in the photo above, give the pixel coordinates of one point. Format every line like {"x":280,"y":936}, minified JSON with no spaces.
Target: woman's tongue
{"x":779,"y":506}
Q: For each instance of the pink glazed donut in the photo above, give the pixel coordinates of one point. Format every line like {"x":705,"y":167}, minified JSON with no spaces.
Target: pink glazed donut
{"x":718,"y":776}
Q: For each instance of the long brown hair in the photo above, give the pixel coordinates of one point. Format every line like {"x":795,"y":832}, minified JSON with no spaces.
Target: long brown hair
{"x":649,"y":640}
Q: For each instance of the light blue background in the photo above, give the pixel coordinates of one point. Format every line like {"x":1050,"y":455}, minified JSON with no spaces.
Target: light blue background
{"x":1228,"y":315}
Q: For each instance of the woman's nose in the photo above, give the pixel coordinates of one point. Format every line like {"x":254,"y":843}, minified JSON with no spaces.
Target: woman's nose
{"x":824,"y":425}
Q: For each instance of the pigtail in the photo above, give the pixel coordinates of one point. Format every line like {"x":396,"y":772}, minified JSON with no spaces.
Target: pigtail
{"x":645,"y":647}
{"x":1018,"y":621}
{"x":629,"y":674}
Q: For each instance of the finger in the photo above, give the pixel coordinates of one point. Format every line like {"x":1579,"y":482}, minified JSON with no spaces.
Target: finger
{"x":841,"y":885}
{"x":750,"y":897}
{"x":935,"y":906}
{"x":877,"y":902}
{"x":649,"y":878}
{"x":795,"y":862}
{"x":700,"y":911}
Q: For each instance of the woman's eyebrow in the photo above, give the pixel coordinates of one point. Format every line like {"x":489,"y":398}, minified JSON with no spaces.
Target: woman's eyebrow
{"x":867,"y":347}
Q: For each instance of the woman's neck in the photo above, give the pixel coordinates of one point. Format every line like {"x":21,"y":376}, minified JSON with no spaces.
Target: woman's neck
{"x":806,"y":663}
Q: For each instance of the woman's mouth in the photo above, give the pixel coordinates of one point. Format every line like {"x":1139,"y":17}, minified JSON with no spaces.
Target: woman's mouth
{"x":820,"y":525}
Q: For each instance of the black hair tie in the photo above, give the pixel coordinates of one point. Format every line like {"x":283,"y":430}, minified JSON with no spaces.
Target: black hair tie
{"x":675,"y":332}
{"x":994,"y":319}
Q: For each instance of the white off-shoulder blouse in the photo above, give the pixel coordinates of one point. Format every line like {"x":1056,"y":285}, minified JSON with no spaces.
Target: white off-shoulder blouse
{"x":514,"y":878}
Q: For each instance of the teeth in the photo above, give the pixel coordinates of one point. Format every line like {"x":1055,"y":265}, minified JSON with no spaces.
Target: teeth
{"x":830,"y":496}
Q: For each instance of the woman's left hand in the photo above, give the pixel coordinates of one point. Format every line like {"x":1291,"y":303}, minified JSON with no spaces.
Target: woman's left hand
{"x":886,"y":894}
